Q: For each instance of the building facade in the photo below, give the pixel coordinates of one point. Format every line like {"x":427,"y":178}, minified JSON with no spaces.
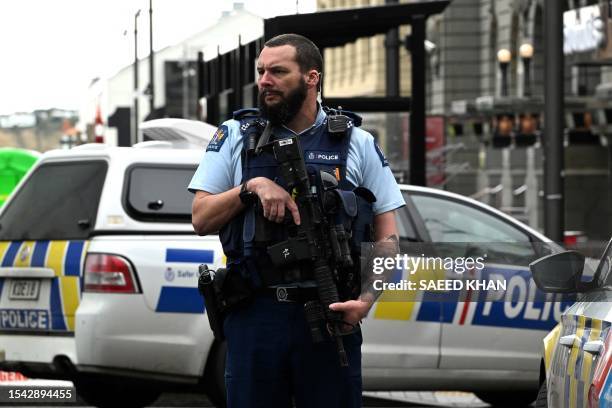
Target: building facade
{"x":491,"y":109}
{"x":462,"y":48}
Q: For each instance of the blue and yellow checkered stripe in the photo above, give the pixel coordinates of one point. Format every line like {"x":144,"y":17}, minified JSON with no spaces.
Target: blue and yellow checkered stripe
{"x":66,"y":259}
{"x":574,"y":367}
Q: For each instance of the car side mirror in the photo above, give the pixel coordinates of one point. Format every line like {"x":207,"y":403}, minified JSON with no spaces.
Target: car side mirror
{"x":558,"y":273}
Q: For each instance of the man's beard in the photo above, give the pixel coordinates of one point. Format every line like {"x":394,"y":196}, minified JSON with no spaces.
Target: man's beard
{"x":286,"y":108}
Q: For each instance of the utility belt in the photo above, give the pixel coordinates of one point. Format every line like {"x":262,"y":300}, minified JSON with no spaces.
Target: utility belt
{"x":288,"y":294}
{"x":225,"y":291}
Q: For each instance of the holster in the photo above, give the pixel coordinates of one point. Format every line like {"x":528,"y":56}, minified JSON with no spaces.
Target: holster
{"x":223,"y":292}
{"x":233,"y":291}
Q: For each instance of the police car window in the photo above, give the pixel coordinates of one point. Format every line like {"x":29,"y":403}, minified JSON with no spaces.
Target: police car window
{"x":159,"y":193}
{"x":478,"y":231}
{"x":58,"y":201}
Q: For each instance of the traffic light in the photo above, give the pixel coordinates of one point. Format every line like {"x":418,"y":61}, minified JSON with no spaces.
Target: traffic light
{"x":504,"y":126}
{"x":528,"y":129}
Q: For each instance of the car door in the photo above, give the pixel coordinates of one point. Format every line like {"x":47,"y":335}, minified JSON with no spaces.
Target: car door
{"x":401,"y":331}
{"x":475,"y":333}
{"x":576,"y":355}
{"x":580,"y":362}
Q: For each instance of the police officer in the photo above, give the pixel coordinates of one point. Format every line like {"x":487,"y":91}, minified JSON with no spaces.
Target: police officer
{"x":271,"y":359}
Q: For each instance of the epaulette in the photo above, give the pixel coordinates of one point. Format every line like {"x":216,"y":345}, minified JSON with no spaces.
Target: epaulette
{"x":243,"y":113}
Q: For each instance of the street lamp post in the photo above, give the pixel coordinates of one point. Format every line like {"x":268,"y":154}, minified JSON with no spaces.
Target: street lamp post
{"x":554,"y":207}
{"x":136,"y":116}
{"x":503,"y":57}
{"x":526,"y":52}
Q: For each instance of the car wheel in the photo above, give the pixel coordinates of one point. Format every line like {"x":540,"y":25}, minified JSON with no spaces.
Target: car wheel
{"x":214,"y":375}
{"x":507,"y":399}
{"x":542,"y":400}
{"x":104,"y":393}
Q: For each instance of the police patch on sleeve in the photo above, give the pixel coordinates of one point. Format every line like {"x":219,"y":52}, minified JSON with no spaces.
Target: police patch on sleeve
{"x":381,"y":155}
{"x":218,"y":139}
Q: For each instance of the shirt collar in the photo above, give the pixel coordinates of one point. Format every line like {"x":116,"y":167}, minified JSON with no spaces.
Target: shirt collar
{"x":283,"y":131}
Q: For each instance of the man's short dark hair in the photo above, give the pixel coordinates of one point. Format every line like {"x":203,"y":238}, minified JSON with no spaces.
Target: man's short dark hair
{"x":307,"y":54}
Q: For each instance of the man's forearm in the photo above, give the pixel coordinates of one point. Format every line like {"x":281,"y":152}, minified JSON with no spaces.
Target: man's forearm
{"x":212,"y":211}
{"x":386,"y":246}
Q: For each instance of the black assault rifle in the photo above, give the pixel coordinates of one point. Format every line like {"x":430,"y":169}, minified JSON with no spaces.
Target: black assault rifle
{"x":320,"y":239}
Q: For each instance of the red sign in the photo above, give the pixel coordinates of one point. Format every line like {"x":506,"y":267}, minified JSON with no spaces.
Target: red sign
{"x":6,"y":376}
{"x":435,"y":141}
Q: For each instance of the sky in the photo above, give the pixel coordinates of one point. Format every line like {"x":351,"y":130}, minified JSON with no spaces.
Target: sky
{"x":51,"y":50}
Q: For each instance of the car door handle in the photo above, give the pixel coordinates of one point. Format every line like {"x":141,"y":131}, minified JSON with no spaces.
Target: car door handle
{"x":569,"y":340}
{"x":593,"y":347}
{"x":84,"y":223}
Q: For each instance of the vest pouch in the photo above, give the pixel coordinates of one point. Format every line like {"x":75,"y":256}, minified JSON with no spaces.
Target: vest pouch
{"x":258,"y":235}
{"x":346,"y":208}
{"x":266,"y":232}
{"x":362,"y":232}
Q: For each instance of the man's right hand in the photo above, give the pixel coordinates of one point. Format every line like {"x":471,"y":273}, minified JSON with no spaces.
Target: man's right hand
{"x":274,"y":199}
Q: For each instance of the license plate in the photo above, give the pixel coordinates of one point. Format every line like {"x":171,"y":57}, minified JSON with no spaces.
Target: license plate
{"x":24,"y":289}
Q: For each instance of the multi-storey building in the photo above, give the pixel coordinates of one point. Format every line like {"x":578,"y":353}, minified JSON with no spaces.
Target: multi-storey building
{"x":488,"y":111}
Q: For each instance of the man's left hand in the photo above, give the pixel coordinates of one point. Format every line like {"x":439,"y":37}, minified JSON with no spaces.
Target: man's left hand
{"x":354,"y":310}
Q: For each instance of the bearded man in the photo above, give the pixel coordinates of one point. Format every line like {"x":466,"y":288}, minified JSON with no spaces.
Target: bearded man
{"x":272,"y":360}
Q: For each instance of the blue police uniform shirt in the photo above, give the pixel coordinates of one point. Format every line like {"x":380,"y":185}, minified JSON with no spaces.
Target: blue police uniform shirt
{"x":221,"y":167}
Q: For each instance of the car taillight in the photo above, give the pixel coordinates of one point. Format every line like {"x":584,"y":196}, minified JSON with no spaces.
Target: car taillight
{"x":601,"y":373}
{"x":109,"y":274}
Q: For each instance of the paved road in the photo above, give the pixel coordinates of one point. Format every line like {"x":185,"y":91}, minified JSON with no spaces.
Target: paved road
{"x":379,"y":400}
{"x":187,"y":399}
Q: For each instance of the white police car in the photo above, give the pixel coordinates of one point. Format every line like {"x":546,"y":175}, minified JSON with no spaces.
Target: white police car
{"x":98,"y":264}
{"x":465,"y":341}
{"x":578,"y":351}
